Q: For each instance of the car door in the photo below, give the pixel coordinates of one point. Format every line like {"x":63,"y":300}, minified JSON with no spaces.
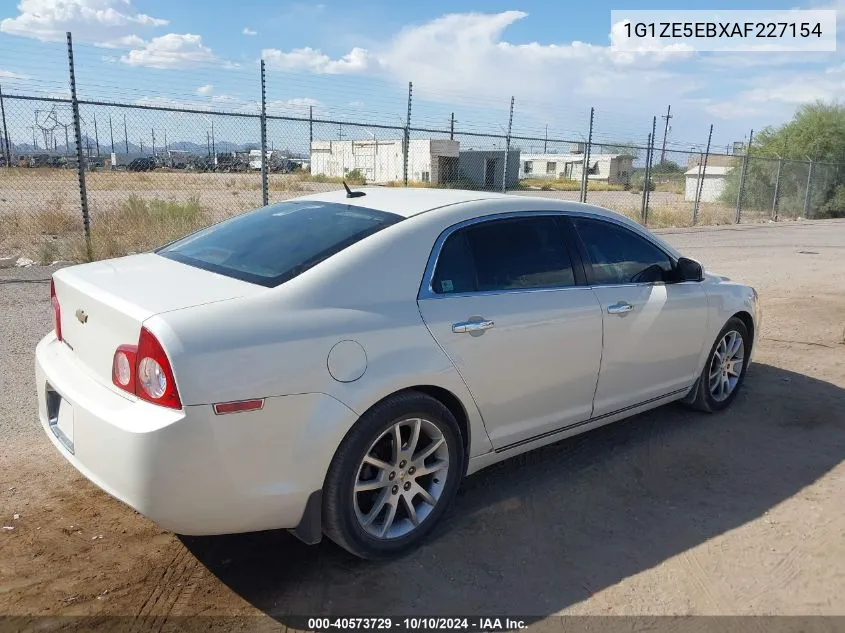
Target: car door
{"x":653,"y":328}
{"x":504,"y":303}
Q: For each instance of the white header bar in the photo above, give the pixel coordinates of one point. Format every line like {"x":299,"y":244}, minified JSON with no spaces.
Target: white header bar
{"x":730,"y":30}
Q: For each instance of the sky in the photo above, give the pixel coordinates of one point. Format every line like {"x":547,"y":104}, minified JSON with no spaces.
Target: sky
{"x":352,"y":61}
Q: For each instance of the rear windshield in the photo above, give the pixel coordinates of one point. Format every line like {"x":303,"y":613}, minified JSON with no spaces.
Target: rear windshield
{"x":273,"y":244}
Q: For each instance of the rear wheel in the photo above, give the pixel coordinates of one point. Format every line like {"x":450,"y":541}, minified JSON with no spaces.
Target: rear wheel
{"x":393,"y":476}
{"x":724,"y":371}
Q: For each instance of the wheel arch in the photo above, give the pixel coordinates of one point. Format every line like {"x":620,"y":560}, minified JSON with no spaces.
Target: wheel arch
{"x":445,"y":397}
{"x":748,"y":321}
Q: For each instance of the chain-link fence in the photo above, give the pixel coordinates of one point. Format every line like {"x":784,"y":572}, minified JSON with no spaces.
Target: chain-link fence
{"x":86,"y":178}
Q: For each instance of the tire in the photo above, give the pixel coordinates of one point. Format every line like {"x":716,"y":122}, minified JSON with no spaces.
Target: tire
{"x":703,"y":397}
{"x":350,"y":515}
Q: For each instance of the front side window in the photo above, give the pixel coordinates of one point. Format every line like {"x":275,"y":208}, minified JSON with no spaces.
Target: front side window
{"x":619,"y":256}
{"x":273,"y":244}
{"x":551,"y":168}
{"x":508,"y":254}
{"x":528,"y":167}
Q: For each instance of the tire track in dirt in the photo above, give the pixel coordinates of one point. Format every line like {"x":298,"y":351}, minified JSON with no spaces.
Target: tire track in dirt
{"x":178,"y":576}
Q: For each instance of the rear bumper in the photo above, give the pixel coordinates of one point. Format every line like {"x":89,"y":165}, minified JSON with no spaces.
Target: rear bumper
{"x":191,"y":471}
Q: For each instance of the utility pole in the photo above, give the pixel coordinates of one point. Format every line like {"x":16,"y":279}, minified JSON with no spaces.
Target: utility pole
{"x":666,"y":116}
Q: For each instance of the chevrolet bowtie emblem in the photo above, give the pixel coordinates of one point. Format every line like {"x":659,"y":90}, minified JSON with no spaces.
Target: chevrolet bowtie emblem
{"x":80,"y":314}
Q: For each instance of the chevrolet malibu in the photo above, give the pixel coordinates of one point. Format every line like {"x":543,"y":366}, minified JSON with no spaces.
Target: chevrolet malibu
{"x":337,"y":363}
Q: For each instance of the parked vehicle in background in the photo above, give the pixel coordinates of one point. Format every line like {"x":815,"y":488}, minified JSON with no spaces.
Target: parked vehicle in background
{"x":337,"y":363}
{"x":142,"y":164}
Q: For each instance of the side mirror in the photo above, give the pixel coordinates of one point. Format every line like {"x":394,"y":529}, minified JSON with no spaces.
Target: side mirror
{"x":688,"y":270}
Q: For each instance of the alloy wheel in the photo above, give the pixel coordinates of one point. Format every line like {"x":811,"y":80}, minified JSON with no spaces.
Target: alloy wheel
{"x":401,"y":478}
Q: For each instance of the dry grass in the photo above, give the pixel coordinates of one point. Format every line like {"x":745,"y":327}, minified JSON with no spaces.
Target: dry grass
{"x":139,"y":224}
{"x":676,"y":216}
{"x":548,"y":184}
{"x":134,"y":225}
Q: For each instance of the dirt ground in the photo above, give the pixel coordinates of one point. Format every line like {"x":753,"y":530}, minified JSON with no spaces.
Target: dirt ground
{"x":669,"y":513}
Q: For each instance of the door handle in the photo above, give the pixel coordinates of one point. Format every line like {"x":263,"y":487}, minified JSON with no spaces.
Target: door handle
{"x":463,"y":327}
{"x":619,"y":308}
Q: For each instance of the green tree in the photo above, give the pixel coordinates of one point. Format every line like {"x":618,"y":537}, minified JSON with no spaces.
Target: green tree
{"x":817,"y":133}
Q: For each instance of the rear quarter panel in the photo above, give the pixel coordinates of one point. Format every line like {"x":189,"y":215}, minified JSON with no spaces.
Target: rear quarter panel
{"x":278,"y":342}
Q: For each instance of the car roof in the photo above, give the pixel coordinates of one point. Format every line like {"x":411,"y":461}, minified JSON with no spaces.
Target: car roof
{"x":404,"y":201}
{"x":411,"y":201}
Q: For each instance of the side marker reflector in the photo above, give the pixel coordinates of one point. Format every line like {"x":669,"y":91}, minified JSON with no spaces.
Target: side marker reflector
{"x":238,"y":406}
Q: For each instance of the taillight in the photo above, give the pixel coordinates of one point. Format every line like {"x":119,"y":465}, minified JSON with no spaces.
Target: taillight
{"x":144,"y":370}
{"x":123,"y":367}
{"x":57,"y":311}
{"x":154,"y":379}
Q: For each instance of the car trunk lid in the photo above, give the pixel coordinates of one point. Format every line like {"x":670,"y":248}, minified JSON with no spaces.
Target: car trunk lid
{"x":103,"y":304}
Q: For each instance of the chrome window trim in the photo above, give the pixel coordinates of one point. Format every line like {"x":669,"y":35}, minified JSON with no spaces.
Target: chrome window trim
{"x":426,"y":290}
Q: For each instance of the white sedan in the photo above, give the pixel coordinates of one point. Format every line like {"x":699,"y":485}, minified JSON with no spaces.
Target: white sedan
{"x":337,"y":363}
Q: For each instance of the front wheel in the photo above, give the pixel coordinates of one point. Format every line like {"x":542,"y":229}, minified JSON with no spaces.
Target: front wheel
{"x":393,"y":476}
{"x":724,"y":371}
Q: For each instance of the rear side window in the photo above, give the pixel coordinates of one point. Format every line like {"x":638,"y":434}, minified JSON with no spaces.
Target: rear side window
{"x":273,"y":244}
{"x":619,"y":256}
{"x":509,"y":254}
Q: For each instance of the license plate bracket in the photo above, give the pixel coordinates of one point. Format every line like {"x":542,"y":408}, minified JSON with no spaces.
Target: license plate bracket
{"x":60,"y":418}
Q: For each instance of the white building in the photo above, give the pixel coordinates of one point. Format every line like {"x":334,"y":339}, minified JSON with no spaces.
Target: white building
{"x":610,"y":168}
{"x":382,"y":161}
{"x":714,"y":182}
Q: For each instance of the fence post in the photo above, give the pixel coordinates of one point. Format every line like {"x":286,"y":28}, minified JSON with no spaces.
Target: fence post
{"x":407,"y":143}
{"x":777,"y":191}
{"x":310,"y":130}
{"x":5,"y":131}
{"x":452,"y":127}
{"x":586,"y":166}
{"x":265,"y":190}
{"x":648,"y":171}
{"x":80,"y":168}
{"x":507,"y":151}
{"x":738,"y":216}
{"x":643,"y":202}
{"x":702,"y":174}
{"x":96,"y":136}
{"x":807,"y":192}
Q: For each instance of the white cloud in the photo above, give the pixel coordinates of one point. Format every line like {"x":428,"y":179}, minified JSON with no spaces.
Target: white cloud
{"x":89,"y":20}
{"x":8,"y":74}
{"x":299,"y":106}
{"x":314,"y":60}
{"x":249,"y":31}
{"x":127,"y":41}
{"x":174,"y":50}
{"x":776,"y":95}
{"x":205,"y":90}
{"x":465,"y":53}
{"x":356,"y":104}
{"x":167,"y":102}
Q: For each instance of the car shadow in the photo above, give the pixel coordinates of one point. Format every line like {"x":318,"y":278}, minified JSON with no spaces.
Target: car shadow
{"x":549,"y":528}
